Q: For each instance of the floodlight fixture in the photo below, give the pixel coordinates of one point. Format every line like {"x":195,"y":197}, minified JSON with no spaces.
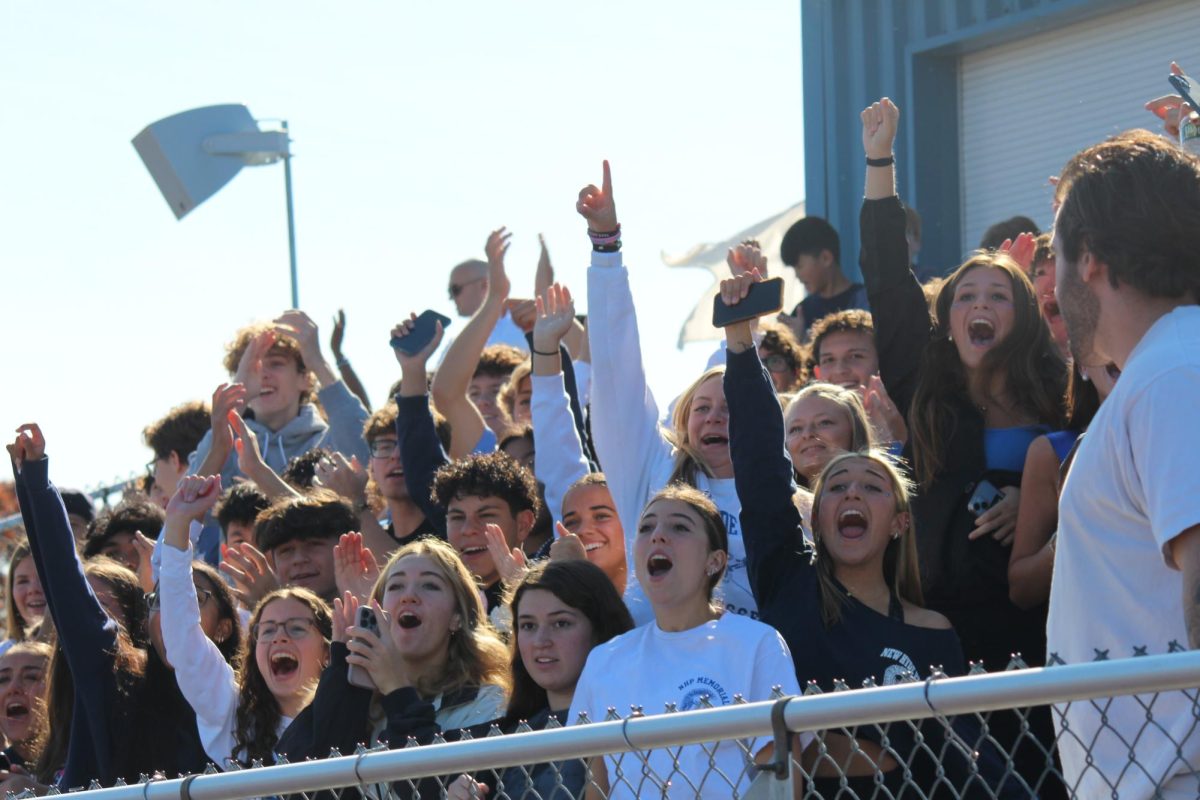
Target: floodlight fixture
{"x":192,"y":154}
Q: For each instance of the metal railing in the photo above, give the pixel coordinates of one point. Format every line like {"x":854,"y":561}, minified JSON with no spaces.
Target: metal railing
{"x":976,"y":697}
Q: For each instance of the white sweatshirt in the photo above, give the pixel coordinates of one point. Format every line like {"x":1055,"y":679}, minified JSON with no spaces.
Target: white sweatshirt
{"x":634,"y":453}
{"x":560,"y":460}
{"x":203,"y":674}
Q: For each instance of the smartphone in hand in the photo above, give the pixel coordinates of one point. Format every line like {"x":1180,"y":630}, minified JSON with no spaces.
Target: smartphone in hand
{"x":422,"y":333}
{"x":367,"y":620}
{"x":764,"y":297}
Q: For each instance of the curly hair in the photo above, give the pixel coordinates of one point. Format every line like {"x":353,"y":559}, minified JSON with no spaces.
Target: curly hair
{"x":493,"y":474}
{"x":258,"y":712}
{"x":499,"y":361}
{"x":132,"y":514}
{"x":778,"y":339}
{"x":851,"y":320}
{"x":1133,"y":201}
{"x":180,"y":431}
{"x":381,"y":423}
{"x":284,"y":346}
{"x":1027,"y":360}
{"x":476,"y":654}
{"x":302,"y":469}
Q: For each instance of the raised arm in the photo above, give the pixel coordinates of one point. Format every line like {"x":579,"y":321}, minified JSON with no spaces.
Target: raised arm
{"x":87,"y":634}
{"x":898,"y":306}
{"x":349,"y":376}
{"x":762,"y":471}
{"x":345,"y":412}
{"x":421,"y":451}
{"x":453,"y":378}
{"x":624,"y":418}
{"x":206,"y":680}
{"x":561,"y":460}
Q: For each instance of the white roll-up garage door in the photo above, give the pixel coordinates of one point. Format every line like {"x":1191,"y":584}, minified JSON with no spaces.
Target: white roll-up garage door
{"x":1029,"y":105}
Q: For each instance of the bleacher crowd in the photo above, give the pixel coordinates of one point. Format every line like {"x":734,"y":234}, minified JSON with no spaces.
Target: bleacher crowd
{"x":895,"y":476}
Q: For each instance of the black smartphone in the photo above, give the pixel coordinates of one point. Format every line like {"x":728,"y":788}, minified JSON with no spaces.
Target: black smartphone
{"x":422,"y":333}
{"x":985,"y":496}
{"x":1188,"y":89}
{"x":764,"y":297}
{"x":367,"y":620}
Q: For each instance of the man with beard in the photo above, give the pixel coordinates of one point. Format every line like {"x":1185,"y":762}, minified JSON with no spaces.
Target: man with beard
{"x":1127,"y":571}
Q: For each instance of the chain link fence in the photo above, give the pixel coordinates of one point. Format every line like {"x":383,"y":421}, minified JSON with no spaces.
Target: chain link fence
{"x":1126,"y":728}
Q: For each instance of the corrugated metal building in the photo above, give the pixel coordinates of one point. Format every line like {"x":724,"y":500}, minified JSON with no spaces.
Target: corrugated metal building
{"x":995,"y":96}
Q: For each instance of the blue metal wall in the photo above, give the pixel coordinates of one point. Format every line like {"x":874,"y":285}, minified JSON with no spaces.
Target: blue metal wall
{"x":856,"y":51}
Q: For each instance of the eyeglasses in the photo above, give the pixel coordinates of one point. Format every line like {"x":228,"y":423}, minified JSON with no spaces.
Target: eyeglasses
{"x":777,"y":363}
{"x":154,"y":600}
{"x":295,"y":628}
{"x":384,"y":448}
{"x":458,"y":288}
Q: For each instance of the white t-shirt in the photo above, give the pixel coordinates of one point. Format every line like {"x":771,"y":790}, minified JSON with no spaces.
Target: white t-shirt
{"x":650,"y":667}
{"x":1134,"y":486}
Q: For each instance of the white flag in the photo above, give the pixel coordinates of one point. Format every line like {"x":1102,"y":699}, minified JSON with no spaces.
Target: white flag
{"x":711,"y":257}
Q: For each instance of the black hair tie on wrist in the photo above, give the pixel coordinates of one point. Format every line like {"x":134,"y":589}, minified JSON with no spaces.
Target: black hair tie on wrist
{"x":881,"y":162}
{"x":540,"y":353}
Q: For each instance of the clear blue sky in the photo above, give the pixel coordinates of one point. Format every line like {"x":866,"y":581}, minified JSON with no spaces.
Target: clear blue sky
{"x":417,"y":129}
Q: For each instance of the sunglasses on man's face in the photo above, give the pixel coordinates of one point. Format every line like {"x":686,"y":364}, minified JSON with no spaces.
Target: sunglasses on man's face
{"x":458,"y":288}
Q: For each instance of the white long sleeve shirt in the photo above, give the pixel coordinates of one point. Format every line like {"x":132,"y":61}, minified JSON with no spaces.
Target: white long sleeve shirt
{"x":634,"y":453}
{"x":203,"y":674}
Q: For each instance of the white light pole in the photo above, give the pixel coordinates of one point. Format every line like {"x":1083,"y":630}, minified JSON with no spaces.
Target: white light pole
{"x":192,"y":154}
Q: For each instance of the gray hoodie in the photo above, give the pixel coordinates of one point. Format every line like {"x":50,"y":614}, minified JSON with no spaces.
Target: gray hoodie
{"x":342,"y":434}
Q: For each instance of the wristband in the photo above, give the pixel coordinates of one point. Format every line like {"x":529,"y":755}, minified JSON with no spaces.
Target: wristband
{"x":607,"y":248}
{"x":537,"y":352}
{"x":605,"y":237}
{"x":881,"y":162}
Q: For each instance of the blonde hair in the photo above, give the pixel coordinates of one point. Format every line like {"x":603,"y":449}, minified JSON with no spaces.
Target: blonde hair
{"x":900,"y":565}
{"x":508,"y":394}
{"x":687,"y":458}
{"x":476,"y":654}
{"x":862,"y":437}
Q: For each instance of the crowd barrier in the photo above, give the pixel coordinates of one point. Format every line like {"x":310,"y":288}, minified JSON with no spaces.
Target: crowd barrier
{"x":644,"y":751}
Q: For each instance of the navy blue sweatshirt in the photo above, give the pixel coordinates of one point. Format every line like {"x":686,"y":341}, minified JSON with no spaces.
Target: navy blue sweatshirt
{"x":109,"y":723}
{"x":864,"y":643}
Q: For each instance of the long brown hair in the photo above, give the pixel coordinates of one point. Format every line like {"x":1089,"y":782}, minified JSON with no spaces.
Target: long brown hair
{"x":688,"y":463}
{"x":129,"y":663}
{"x":18,"y":627}
{"x":1028,"y":360}
{"x":35,"y":738}
{"x":900,"y":567}
{"x":584,"y":587}
{"x":476,"y":656}
{"x":258,"y":712}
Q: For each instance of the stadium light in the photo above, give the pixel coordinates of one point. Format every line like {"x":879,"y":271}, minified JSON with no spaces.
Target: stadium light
{"x":192,"y":154}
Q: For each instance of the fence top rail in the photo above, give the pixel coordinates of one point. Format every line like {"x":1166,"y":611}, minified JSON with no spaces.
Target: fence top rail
{"x":914,"y":700}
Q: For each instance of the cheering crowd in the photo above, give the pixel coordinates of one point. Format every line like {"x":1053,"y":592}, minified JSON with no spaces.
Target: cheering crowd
{"x":892,"y":478}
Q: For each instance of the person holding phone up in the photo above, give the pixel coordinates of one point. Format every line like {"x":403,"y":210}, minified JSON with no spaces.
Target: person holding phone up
{"x":435,"y":663}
